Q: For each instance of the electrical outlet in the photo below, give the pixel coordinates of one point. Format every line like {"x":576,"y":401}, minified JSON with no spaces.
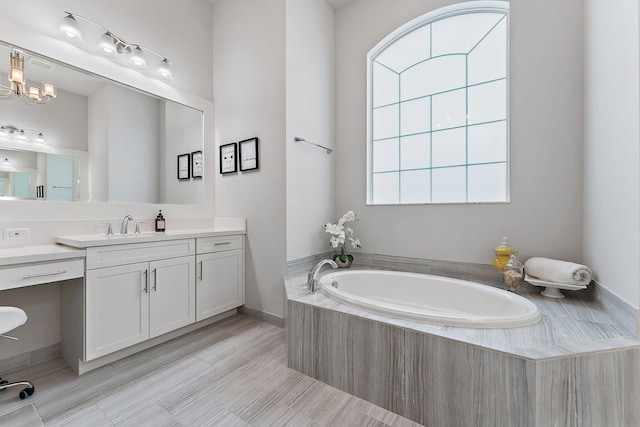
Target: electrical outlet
{"x":16,"y":233}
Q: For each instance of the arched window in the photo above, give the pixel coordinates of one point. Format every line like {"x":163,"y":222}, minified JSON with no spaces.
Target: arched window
{"x":437,"y":112}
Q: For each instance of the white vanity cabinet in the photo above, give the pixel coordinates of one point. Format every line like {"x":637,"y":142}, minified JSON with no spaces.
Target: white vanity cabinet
{"x":136,"y":292}
{"x":220,"y":275}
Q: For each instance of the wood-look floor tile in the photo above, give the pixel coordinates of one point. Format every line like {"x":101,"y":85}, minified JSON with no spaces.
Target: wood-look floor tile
{"x":70,"y":392}
{"x":44,"y":376}
{"x":381,"y":414}
{"x":275,"y":398}
{"x":88,"y":416}
{"x":315,"y":400}
{"x":281,"y":415}
{"x":150,"y":416}
{"x":246,"y":342}
{"x":208,"y":415}
{"x":238,"y":324}
{"x":149,"y":389}
{"x":186,"y":345}
{"x":25,"y":416}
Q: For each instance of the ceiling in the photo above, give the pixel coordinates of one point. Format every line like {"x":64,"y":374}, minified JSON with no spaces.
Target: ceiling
{"x":339,"y":4}
{"x":335,"y":4}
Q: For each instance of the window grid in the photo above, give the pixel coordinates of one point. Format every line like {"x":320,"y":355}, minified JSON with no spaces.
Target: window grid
{"x":430,"y":96}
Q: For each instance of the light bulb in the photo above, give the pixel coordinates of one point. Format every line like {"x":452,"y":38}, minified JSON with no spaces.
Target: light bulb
{"x":34,"y":93}
{"x":164,"y":70}
{"x":106,"y":45}
{"x":40,"y":138}
{"x":6,"y":162}
{"x":49,"y":89}
{"x":69,"y":29}
{"x":137,"y":60}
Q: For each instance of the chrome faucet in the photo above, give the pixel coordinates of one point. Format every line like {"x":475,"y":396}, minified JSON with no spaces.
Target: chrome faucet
{"x":125,"y":224}
{"x":312,"y":280}
{"x":109,"y":230}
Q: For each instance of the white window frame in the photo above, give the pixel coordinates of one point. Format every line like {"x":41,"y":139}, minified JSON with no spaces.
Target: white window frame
{"x":426,"y":19}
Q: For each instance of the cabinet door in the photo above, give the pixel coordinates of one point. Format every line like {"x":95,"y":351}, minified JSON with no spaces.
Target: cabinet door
{"x":172,"y":294}
{"x":117,"y":311}
{"x":220,"y":283}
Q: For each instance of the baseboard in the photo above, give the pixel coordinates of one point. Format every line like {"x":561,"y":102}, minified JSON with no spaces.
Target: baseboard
{"x":616,"y":307}
{"x":261,"y":315}
{"x":31,"y":358}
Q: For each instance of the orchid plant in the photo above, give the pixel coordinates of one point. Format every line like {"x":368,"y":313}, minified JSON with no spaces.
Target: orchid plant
{"x":339,"y":235}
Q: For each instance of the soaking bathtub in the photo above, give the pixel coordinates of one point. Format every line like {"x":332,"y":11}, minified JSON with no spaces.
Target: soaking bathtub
{"x":431,"y":299}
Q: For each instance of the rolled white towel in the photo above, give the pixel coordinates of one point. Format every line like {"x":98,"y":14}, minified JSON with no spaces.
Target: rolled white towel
{"x":554,"y":270}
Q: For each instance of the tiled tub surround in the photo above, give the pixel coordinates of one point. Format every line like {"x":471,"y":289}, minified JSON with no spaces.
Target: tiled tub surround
{"x":578,"y":366}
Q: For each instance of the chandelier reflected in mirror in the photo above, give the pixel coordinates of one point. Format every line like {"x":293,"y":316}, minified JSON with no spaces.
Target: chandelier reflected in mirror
{"x":17,"y":87}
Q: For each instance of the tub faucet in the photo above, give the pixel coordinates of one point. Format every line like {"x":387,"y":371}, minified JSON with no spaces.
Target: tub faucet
{"x":125,"y":224}
{"x":312,"y":280}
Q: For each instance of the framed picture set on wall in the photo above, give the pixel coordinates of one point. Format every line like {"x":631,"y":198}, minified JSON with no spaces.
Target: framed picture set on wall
{"x":197,"y":164}
{"x":184,"y":167}
{"x":228,"y":158}
{"x":248,"y":154}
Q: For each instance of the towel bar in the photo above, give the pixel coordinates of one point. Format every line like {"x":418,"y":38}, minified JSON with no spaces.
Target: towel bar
{"x":298,"y":139}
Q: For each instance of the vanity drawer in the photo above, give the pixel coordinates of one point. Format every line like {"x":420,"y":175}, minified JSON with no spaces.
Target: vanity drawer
{"x":218,"y":244}
{"x":110,"y":256}
{"x":21,"y":275}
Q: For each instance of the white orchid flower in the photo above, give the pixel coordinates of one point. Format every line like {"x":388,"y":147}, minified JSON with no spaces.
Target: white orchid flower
{"x":340,"y":233}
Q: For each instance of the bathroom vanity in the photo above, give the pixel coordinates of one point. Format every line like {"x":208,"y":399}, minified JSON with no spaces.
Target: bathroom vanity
{"x":133,"y":291}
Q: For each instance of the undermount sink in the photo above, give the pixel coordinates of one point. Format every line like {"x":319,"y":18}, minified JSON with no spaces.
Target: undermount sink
{"x":87,"y":240}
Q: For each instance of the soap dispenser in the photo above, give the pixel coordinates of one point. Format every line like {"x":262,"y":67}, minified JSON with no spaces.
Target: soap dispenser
{"x":160,"y":223}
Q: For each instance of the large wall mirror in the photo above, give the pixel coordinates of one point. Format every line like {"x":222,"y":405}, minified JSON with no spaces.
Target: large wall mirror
{"x":97,"y":141}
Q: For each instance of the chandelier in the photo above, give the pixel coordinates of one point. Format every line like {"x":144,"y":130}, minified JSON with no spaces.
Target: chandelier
{"x":17,"y":88}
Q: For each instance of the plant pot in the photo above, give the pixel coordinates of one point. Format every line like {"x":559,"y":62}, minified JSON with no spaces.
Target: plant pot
{"x":343,"y":259}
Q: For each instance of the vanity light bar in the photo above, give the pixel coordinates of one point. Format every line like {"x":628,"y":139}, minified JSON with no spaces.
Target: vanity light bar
{"x":112,"y":46}
{"x":13,"y":132}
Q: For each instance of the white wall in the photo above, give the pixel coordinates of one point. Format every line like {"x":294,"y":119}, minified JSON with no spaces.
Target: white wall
{"x":182,"y":130}
{"x":249,"y":93}
{"x":98,"y":143}
{"x":63,"y":122}
{"x":134,"y":152}
{"x":546,"y":73}
{"x":310,"y":115}
{"x":612,"y":156}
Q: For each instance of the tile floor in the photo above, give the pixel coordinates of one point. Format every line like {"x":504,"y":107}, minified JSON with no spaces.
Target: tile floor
{"x":233,"y":373}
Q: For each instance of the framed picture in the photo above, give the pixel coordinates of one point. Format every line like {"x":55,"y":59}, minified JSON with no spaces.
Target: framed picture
{"x":248,"y":154}
{"x":184,"y":167}
{"x":197,"y":164}
{"x":228,"y":158}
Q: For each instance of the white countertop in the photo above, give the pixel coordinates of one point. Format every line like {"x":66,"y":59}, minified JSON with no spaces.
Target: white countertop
{"x":90,"y":240}
{"x":29,"y":254}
